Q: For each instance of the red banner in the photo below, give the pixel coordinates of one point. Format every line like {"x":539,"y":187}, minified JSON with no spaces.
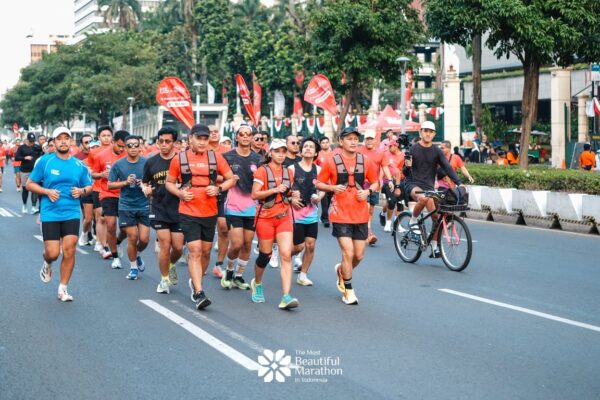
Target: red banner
{"x":257,"y":94}
{"x":245,"y":96}
{"x":320,"y":93}
{"x":172,"y":94}
{"x":298,"y":109}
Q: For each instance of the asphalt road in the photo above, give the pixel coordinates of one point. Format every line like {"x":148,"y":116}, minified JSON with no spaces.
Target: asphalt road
{"x":521,"y":322}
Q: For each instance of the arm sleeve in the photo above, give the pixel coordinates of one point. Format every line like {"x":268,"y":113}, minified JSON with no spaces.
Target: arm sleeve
{"x":446,"y":167}
{"x":19,"y":154}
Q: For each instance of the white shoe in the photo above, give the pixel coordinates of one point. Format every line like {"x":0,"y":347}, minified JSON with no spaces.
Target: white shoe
{"x":304,"y":282}
{"x":388,"y":226}
{"x":105,"y":254}
{"x":116,"y":264}
{"x":297,"y":263}
{"x":34,"y":210}
{"x":46,"y":272}
{"x":274,"y":262}
{"x":163,"y":286}
{"x":82,"y":239}
{"x":98,"y":247}
{"x":19,"y":189}
{"x":63,"y":296}
{"x":24,"y":209}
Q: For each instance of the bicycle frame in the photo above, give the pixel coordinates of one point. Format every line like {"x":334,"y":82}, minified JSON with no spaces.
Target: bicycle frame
{"x":436,"y":226}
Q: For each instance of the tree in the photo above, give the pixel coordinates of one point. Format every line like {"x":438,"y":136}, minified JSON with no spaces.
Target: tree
{"x":250,"y":12}
{"x":362,"y":38}
{"x":127,"y":13}
{"x":167,"y":17}
{"x":540,"y":33}
{"x":462,"y":22}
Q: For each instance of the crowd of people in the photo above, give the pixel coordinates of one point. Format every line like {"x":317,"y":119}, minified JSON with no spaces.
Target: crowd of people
{"x":189,"y":190}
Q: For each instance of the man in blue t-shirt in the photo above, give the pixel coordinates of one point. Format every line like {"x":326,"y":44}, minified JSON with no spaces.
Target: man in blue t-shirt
{"x":126,"y":175}
{"x":61,"y":180}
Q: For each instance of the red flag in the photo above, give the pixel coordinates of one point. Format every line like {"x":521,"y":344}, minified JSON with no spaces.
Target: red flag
{"x":297,"y":105}
{"x":299,"y":77}
{"x":596,"y":106}
{"x":173,"y":94}
{"x":224,"y":93}
{"x":320,"y":93}
{"x":245,"y":96}
{"x":257,"y":94}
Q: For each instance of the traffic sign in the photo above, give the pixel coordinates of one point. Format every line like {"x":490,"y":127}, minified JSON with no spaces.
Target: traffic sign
{"x":596,"y":72}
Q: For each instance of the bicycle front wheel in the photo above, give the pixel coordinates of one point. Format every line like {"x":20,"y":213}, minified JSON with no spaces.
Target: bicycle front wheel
{"x":408,"y":245}
{"x":455,"y":243}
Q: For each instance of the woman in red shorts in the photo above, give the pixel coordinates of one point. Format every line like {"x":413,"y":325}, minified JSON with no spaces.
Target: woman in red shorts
{"x":272,"y":183}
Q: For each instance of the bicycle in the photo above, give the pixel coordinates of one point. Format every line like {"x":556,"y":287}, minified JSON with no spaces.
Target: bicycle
{"x":454,"y":238}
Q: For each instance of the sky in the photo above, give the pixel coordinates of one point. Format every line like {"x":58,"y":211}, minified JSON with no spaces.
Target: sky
{"x":21,"y":18}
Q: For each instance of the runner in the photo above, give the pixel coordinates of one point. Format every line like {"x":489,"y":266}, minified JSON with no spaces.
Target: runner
{"x":324,"y":154}
{"x":109,"y":198}
{"x":258,"y":144}
{"x":393,"y":162}
{"x":240,"y":209}
{"x":27,"y":154}
{"x":60,"y":180}
{"x":376,"y":156}
{"x":197,"y":170}
{"x":306,"y":212}
{"x":272,"y":188}
{"x":292,"y":144}
{"x":164,"y":215}
{"x":16,"y":164}
{"x":349,"y":209}
{"x":125,"y":176}
{"x":87,"y":202}
{"x":2,"y":161}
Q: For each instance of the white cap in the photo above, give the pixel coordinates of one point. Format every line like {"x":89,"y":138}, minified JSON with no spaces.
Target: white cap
{"x":59,"y":130}
{"x":428,"y":125}
{"x":369,"y":134}
{"x":277,"y":144}
{"x":224,"y":139}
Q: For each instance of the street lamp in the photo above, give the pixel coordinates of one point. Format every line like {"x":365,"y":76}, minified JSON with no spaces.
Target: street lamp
{"x":130,"y":100}
{"x":197,"y":86}
{"x":271,"y":116}
{"x":402,"y":63}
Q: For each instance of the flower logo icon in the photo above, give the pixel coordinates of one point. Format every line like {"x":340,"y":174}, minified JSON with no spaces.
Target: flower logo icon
{"x":274,"y":365}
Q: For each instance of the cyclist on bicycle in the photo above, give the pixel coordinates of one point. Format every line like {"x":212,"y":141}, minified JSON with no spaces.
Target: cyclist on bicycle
{"x":420,"y":170}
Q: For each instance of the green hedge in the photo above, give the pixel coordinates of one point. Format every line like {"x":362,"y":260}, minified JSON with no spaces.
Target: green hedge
{"x":536,"y":178}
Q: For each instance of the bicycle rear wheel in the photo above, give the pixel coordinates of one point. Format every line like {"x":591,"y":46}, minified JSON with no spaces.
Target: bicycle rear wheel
{"x":407,"y":244}
{"x":455,"y":243}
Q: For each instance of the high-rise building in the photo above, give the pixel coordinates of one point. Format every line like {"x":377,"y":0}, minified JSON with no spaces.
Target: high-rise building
{"x":39,"y":45}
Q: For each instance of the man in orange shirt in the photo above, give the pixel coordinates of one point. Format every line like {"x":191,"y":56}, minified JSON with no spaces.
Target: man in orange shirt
{"x":345,"y":175}
{"x":2,"y":159}
{"x":16,"y":164}
{"x":197,"y":170}
{"x":376,"y":156}
{"x":587,"y":158}
{"x":109,"y":199}
{"x":455,"y":162}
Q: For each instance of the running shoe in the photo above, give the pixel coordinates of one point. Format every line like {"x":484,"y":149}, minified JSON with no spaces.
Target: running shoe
{"x":98,"y":247}
{"x":371,"y":239}
{"x":64,"y":296}
{"x":116,"y":263}
{"x":24,"y":209}
{"x":349,"y":297}
{"x":297,"y":262}
{"x":217,"y":271}
{"x":288,"y":302}
{"x":163,"y":287}
{"x":388,"y":226}
{"x":240,"y":283}
{"x":140,"y":264}
{"x":274,"y":261}
{"x":19,"y":189}
{"x":105,"y":254}
{"x":382,"y":218}
{"x":340,"y":281}
{"x":191,"y":289}
{"x":173,"y":274}
{"x":46,"y":272}
{"x":435,"y":253}
{"x":82,"y":239}
{"x":201,"y":300}
{"x":257,"y":292}
{"x":304,"y":282}
{"x":227,"y":279}
{"x":35,"y":210}
{"x":133,"y":274}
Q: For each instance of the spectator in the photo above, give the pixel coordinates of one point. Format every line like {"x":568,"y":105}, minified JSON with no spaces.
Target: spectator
{"x":502,"y":158}
{"x":512,"y":155}
{"x":587,"y":158}
{"x":457,"y":152}
{"x":385,"y":143}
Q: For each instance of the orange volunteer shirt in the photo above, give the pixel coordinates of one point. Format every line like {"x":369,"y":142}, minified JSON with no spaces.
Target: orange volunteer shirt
{"x":260,"y":176}
{"x":587,"y":159}
{"x":104,"y":159}
{"x":395,"y":162}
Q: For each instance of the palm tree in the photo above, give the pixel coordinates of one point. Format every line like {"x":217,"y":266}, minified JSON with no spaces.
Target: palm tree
{"x":250,"y":11}
{"x":126,"y":13}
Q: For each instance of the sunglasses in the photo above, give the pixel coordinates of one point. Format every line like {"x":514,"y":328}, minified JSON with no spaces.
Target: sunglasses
{"x":244,"y":134}
{"x":259,"y":139}
{"x":133,"y":145}
{"x":87,"y":142}
{"x":294,"y":143}
{"x":167,"y":141}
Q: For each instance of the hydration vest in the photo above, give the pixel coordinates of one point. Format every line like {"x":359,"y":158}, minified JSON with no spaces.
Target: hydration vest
{"x":343,"y":175}
{"x":186,"y":172}
{"x":270,"y":201}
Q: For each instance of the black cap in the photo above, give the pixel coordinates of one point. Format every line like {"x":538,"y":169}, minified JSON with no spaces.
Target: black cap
{"x":314,"y":140}
{"x":349,"y":130}
{"x":31,"y":137}
{"x":200,"y":130}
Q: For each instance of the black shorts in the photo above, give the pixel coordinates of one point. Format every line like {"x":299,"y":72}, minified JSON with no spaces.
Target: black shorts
{"x":302,"y":231}
{"x":198,"y":228}
{"x":96,"y":199}
{"x":133,"y":218}
{"x":221,"y":204}
{"x":171,"y":226}
{"x":236,"y":221}
{"x":57,"y":230}
{"x":87,"y":199}
{"x":354,"y":231}
{"x":373,"y":198}
{"x":110,"y":207}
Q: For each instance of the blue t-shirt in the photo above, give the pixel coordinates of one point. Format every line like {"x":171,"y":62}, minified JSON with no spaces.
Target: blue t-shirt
{"x":52,"y":172}
{"x":131,"y":198}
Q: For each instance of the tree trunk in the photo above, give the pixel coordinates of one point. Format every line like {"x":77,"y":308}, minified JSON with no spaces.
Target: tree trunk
{"x":531,"y":74}
{"x":345,"y":109}
{"x":477,"y":83}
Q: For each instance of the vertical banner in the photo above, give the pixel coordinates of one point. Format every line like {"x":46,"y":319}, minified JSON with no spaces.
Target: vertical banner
{"x":210,"y":92}
{"x":279,"y":104}
{"x":409,"y":87}
{"x":172,"y":94}
{"x":245,"y":96}
{"x":320,"y":93}
{"x":298,"y":109}
{"x":224,"y":98}
{"x":257,"y":94}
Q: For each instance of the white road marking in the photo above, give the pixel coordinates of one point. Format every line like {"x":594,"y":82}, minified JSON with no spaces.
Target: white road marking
{"x":41,"y":239}
{"x":5,"y":213}
{"x":206,"y":337}
{"x":16,"y":214}
{"x":523,"y":310}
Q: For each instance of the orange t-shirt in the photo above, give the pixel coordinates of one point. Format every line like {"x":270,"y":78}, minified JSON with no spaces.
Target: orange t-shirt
{"x":201,"y":205}
{"x":374,"y":155}
{"x":103,"y":160}
{"x":2,"y":156}
{"x":512,"y":160}
{"x":502,"y":161}
{"x":89,"y":161}
{"x":220,"y":149}
{"x":456,"y":162}
{"x":345,"y":208}
{"x":395,"y":162}
{"x":12,"y":152}
{"x":323,"y":156}
{"x":587,"y":159}
{"x":260,"y":176}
